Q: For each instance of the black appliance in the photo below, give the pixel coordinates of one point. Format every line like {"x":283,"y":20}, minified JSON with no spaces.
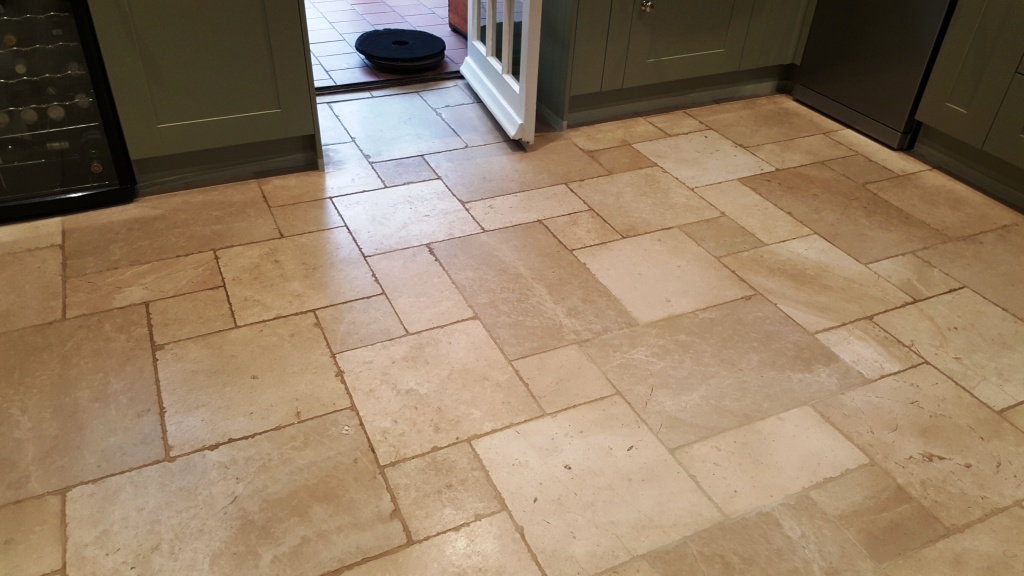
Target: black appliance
{"x":866,"y":63}
{"x":61,"y":147}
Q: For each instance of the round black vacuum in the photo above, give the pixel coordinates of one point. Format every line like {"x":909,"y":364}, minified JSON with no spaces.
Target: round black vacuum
{"x":401,"y":51}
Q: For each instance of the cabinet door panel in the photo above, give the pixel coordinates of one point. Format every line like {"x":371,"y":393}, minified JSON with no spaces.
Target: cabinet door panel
{"x":685,"y":39}
{"x":1006,"y":140}
{"x":975,"y":66}
{"x":192,"y":74}
{"x":775,"y":33}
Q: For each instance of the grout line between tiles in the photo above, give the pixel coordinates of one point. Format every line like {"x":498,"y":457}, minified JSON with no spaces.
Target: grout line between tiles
{"x":156,"y":381}
{"x":64,"y":531}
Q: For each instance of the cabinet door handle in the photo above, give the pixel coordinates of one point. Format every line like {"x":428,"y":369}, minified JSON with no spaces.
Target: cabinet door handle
{"x":647,"y":6}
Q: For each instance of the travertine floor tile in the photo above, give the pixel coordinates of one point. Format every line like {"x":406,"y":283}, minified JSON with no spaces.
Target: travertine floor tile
{"x":612,"y":134}
{"x":846,"y":214}
{"x":404,"y":171}
{"x":360,"y":323}
{"x":523,"y":207}
{"x":110,"y":423}
{"x":503,"y":168}
{"x":643,"y":201}
{"x":261,"y":277}
{"x":621,"y":159}
{"x":869,"y":349}
{"x":32,"y":537}
{"x":970,"y":340}
{"x":32,"y":287}
{"x":988,"y":263}
{"x":190,"y":315}
{"x":581,"y":229}
{"x":601,"y":463}
{"x":753,"y":466}
{"x":710,"y":371}
{"x":433,"y":389}
{"x":703,"y":158}
{"x":662,"y":274}
{"x":753,"y":212}
{"x":898,"y":162}
{"x":531,"y":293}
{"x":946,"y":204}
{"x":721,"y":236}
{"x":1015,"y":416}
{"x":295,"y":219}
{"x":801,"y":151}
{"x":860,"y":169}
{"x":915,"y":277}
{"x":405,"y":216}
{"x":991,"y":547}
{"x":346,"y":172}
{"x":490,"y":547}
{"x":419,"y":289}
{"x":676,"y":123}
{"x":331,"y":130}
{"x":949,"y":451}
{"x":879,"y":515}
{"x":302,"y":500}
{"x":30,"y":235}
{"x":762,"y":120}
{"x":136,"y":284}
{"x":395,"y":127}
{"x":161,"y":227}
{"x":474,"y":124}
{"x":816,"y":284}
{"x":446,"y":97}
{"x":563,"y":378}
{"x":439,"y":491}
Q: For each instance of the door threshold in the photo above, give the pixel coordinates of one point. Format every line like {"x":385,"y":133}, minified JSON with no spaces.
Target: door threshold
{"x":388,"y":83}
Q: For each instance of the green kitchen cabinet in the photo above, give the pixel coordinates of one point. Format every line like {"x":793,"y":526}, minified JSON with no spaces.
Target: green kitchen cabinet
{"x":1006,"y":139}
{"x":777,"y":32}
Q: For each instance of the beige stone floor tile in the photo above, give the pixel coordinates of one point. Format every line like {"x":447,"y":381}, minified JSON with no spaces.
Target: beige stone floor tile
{"x":710,"y":371}
{"x":433,"y":389}
{"x":331,"y":130}
{"x":446,"y":97}
{"x":753,"y":466}
{"x":405,"y":216}
{"x":703,"y":158}
{"x":30,"y":235}
{"x":801,"y":151}
{"x":531,"y":293}
{"x":312,"y":216}
{"x":302,"y":500}
{"x":522,"y":207}
{"x":761,"y":217}
{"x":588,"y":486}
{"x":612,"y":134}
{"x":404,"y":171}
{"x":441,"y":490}
{"x":917,"y":278}
{"x":988,"y":263}
{"x":1015,"y":416}
{"x":360,"y":323}
{"x":816,"y":284}
{"x":991,"y":548}
{"x":721,"y":236}
{"x":643,"y":201}
{"x":504,"y":168}
{"x":32,"y":537}
{"x":490,"y":547}
{"x":396,"y":127}
{"x":474,"y":124}
{"x":946,"y":204}
{"x":421,"y":292}
{"x":621,"y":159}
{"x":860,"y":169}
{"x":581,"y":229}
{"x":947,"y":450}
{"x":970,"y":340}
{"x":676,"y":123}
{"x":110,"y":423}
{"x":763,"y":120}
{"x":162,"y":227}
{"x":346,"y":172}
{"x":845,"y":213}
{"x":562,"y":378}
{"x":190,"y":315}
{"x":244,"y":381}
{"x":879,"y":515}
{"x":32,"y":287}
{"x":260,"y":278}
{"x":662,"y":274}
{"x":869,"y":349}
{"x":898,"y":162}
{"x":143,"y":283}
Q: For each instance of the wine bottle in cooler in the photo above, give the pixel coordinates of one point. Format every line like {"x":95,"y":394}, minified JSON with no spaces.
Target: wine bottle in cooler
{"x":92,"y":151}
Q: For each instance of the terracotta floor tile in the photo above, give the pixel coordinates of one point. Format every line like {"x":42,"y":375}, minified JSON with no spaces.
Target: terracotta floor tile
{"x":914,"y":276}
{"x":898,"y":162}
{"x":801,"y":151}
{"x":307,"y":217}
{"x":360,"y":323}
{"x":32,"y":537}
{"x":303,"y":500}
{"x":404,"y":171}
{"x":600,"y":462}
{"x":30,"y":235}
{"x":703,"y":158}
{"x":676,"y":123}
{"x":562,"y":378}
{"x":419,"y":289}
{"x":523,"y":207}
{"x":190,"y":315}
{"x":612,"y":134}
{"x":860,"y":169}
{"x":986,"y":548}
{"x":761,"y":217}
{"x":32,"y":288}
{"x":473,"y":123}
{"x":762,"y":120}
{"x":621,"y":159}
{"x":721,"y":236}
{"x":581,"y":229}
{"x":396,"y":127}
{"x":869,"y":349}
{"x":347,"y":172}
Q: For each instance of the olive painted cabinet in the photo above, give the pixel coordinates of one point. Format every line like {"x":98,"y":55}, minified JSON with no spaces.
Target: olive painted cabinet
{"x":1006,"y":139}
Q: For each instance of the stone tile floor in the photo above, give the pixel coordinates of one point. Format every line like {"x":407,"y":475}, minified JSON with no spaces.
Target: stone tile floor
{"x":736,"y":339}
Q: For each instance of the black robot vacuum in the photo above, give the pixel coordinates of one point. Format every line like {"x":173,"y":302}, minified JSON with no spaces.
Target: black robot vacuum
{"x":401,"y":51}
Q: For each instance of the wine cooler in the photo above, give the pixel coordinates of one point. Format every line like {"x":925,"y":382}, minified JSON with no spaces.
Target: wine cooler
{"x":61,"y":148}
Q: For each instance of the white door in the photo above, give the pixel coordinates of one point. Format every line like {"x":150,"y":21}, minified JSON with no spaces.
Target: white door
{"x":501,"y":62}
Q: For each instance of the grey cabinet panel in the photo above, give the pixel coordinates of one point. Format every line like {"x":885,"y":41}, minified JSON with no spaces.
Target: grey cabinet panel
{"x":775,"y":32}
{"x":619,"y":29}
{"x":685,"y":39}
{"x":976,"y":63}
{"x":589,"y":51}
{"x":1006,"y":140}
{"x":192,"y":75}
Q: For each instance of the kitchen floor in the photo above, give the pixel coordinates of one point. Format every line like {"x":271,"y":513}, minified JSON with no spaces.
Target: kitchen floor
{"x":738,"y":339}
